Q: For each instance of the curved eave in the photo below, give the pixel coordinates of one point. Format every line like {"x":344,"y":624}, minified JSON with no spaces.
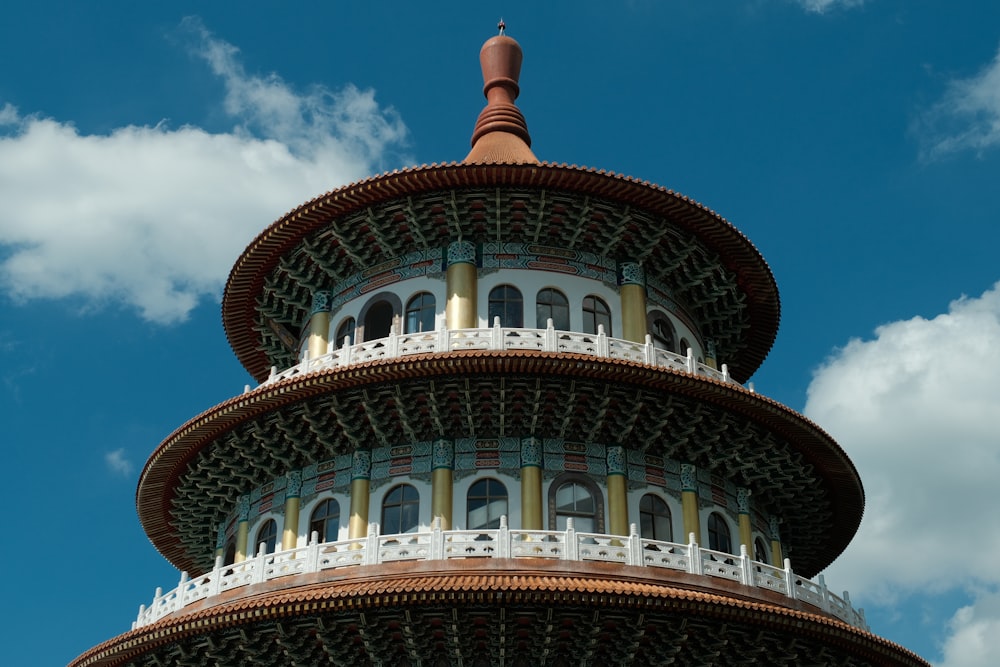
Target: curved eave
{"x":170,"y":460}
{"x":754,"y":277}
{"x":511,"y":585}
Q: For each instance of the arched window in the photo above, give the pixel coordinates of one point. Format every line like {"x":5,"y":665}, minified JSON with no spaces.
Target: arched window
{"x":595,"y":313}
{"x":718,"y":534}
{"x":507,"y":304}
{"x":654,"y":519}
{"x":760,"y":551}
{"x":325,"y":520}
{"x":400,"y":510}
{"x":551,"y":303}
{"x":485,"y":503}
{"x":346,"y":330}
{"x":663,"y":334}
{"x":420,"y":313}
{"x":378,"y":320}
{"x":580,"y":501}
{"x":683,"y":349}
{"x":268,"y":536}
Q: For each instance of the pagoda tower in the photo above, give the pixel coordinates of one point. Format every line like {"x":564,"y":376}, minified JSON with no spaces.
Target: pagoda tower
{"x":500,"y":420}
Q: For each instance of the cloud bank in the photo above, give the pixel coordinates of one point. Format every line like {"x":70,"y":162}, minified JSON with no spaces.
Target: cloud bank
{"x":966,"y":118}
{"x":152,"y":217}
{"x":823,"y":6}
{"x":916,"y":408}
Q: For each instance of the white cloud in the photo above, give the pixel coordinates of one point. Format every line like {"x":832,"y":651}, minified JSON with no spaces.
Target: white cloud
{"x":974,"y":631}
{"x":967,"y":117}
{"x":916,"y":409}
{"x":153,"y":217}
{"x":118,"y":463}
{"x":823,"y":6}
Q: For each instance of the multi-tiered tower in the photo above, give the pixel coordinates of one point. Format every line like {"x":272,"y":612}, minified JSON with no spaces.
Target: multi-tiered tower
{"x":500,"y":422}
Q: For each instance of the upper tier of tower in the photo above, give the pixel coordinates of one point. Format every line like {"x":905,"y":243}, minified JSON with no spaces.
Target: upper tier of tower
{"x":692,"y":259}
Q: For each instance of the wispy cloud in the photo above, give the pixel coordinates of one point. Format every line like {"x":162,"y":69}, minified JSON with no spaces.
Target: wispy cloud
{"x":823,"y":6}
{"x":916,"y":408}
{"x":118,"y":463}
{"x":153,"y":217}
{"x":966,"y":118}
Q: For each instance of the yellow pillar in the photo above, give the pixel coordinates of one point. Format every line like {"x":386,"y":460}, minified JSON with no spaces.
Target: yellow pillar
{"x":290,"y":531}
{"x":242,"y":529}
{"x":442,"y":464}
{"x":242,"y":532}
{"x":777,"y":557}
{"x":319,"y":325}
{"x":361,"y":470}
{"x":689,"y":502}
{"x":461,"y":284}
{"x":617,"y":491}
{"x":710,"y":359}
{"x":746,"y":532}
{"x":531,"y":484}
{"x":633,"y":297}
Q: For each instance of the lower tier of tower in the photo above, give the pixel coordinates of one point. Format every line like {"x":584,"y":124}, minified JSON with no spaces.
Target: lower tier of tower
{"x":508,"y":612}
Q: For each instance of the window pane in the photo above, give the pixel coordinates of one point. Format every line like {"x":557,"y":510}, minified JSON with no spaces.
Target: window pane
{"x":595,"y":313}
{"x":420,"y":313}
{"x":346,"y":330}
{"x":505,"y":302}
{"x":551,"y":303}
{"x":486,"y":503}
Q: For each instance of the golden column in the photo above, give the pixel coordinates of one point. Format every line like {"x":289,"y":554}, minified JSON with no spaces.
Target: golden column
{"x":689,"y":502}
{"x":319,"y":325}
{"x":461,"y":284}
{"x":633,"y":296}
{"x":710,"y":359}
{"x":531,"y":484}
{"x":442,"y":465}
{"x":746,"y":532}
{"x":617,"y":491}
{"x":777,"y":557}
{"x":290,"y":531}
{"x":242,"y":529}
{"x":361,"y":472}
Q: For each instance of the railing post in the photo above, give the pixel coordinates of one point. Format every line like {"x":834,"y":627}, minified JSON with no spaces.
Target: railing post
{"x":371,"y":545}
{"x":503,"y":538}
{"x":345,"y":352}
{"x":789,"y":583}
{"x":549,"y":342}
{"x":649,"y":352}
{"x":635,"y":546}
{"x":692,"y":363}
{"x":694,"y":556}
{"x":392,"y":345}
{"x":825,"y":594}
{"x":443,"y":342}
{"x":312,"y":552}
{"x":746,"y":567}
{"x":215,"y":582}
{"x":496,"y":340}
{"x":725,"y":374}
{"x":437,"y":540}
{"x":571,"y":550}
{"x":603,"y":349}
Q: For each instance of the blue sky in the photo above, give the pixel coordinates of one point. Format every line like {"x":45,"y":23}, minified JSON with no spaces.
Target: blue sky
{"x":857,"y":144}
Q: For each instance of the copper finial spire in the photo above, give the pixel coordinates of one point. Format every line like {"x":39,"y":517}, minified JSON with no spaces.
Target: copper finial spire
{"x":501,"y":133}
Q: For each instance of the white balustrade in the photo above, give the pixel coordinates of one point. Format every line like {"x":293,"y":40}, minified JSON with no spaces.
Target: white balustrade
{"x":502,"y":542}
{"x":503,"y":338}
